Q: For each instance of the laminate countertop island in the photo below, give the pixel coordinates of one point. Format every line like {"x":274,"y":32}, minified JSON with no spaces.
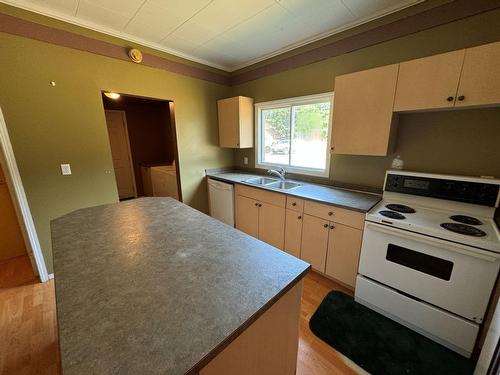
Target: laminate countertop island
{"x":152,"y":286}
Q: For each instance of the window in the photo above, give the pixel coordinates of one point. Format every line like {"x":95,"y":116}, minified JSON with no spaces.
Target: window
{"x":295,"y":134}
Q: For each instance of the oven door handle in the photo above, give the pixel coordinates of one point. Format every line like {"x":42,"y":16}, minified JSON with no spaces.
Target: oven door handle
{"x":456,"y":247}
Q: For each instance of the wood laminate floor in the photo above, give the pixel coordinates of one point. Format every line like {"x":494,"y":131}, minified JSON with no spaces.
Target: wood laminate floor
{"x":28,"y":326}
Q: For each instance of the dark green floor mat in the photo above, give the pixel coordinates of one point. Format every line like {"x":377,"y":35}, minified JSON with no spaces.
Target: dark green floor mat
{"x":380,"y":345}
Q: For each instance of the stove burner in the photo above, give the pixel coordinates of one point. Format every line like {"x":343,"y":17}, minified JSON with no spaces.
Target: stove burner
{"x":392,"y":214}
{"x":400,"y":208}
{"x":466,"y":219}
{"x":464,"y":229}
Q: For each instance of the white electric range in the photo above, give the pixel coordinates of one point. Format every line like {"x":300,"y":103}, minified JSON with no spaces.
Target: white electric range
{"x":431,"y":253}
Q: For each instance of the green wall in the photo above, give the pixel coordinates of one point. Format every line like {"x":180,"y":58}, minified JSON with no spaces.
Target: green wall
{"x":460,"y":142}
{"x":65,"y":124}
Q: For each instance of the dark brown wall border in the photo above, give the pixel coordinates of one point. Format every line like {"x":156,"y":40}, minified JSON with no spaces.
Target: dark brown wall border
{"x":20,"y":27}
{"x":430,"y":18}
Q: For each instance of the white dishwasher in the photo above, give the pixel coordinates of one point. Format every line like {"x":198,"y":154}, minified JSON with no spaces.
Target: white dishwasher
{"x":221,"y":201}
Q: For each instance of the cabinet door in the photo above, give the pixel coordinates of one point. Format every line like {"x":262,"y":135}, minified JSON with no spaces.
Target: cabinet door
{"x":363,"y":111}
{"x":247,"y":215}
{"x":314,"y":242}
{"x":344,"y":245}
{"x":480,"y":79}
{"x":430,"y":82}
{"x":272,"y":224}
{"x":293,"y":232}
{"x":236,"y":126}
{"x":229,"y":117}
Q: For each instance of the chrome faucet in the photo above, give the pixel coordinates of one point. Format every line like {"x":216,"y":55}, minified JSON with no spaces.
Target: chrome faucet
{"x":278,"y":173}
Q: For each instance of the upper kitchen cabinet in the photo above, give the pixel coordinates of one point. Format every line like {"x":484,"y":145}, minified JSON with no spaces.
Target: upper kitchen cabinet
{"x":235,"y":122}
{"x":480,"y":79}
{"x":429,"y":82}
{"x":363,"y":111}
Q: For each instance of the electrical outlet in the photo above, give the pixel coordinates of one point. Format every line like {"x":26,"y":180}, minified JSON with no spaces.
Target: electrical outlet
{"x":65,"y":169}
{"x":245,"y":160}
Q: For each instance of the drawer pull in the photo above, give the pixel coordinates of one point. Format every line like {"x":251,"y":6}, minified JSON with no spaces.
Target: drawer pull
{"x":300,"y":217}
{"x":330,"y":213}
{"x":294,"y":204}
{"x":325,"y":225}
{"x":332,"y":226}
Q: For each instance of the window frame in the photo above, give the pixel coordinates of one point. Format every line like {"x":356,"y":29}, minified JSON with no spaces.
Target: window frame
{"x":300,"y":100}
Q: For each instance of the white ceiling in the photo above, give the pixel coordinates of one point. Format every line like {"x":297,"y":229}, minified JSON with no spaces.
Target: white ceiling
{"x":227,"y":34}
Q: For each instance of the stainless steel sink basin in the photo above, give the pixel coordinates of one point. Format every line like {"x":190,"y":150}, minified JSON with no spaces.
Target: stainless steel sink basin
{"x":261,"y":181}
{"x":284,"y":185}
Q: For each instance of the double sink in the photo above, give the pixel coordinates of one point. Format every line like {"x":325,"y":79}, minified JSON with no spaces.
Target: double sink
{"x":272,"y":183}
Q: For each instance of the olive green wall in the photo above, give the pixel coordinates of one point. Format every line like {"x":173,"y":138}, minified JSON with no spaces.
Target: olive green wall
{"x":459,"y":142}
{"x":66,"y":124}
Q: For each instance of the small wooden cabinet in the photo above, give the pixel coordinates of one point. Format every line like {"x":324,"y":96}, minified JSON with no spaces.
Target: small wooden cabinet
{"x":315,"y":241}
{"x":344,"y":246}
{"x":429,"y":83}
{"x":363,"y":111}
{"x":331,"y":240}
{"x":236,"y":125}
{"x":480,"y":78}
{"x":261,"y":214}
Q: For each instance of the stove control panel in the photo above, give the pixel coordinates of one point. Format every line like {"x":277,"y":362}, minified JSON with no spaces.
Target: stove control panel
{"x":481,"y":193}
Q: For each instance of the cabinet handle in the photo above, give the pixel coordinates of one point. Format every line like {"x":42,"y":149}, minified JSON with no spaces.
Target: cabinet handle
{"x":461,"y":98}
{"x":294,"y":204}
{"x":256,"y":205}
{"x":450,"y":98}
{"x":300,"y":217}
{"x":260,"y":204}
{"x":325,"y":225}
{"x":330,"y":213}
{"x":332,"y":226}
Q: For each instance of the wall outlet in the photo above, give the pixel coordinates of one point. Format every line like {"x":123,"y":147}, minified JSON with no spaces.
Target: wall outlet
{"x":245,"y":160}
{"x":65,"y":169}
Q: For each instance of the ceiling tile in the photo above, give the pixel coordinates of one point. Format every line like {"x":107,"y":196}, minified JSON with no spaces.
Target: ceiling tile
{"x":64,"y":6}
{"x":221,"y":15}
{"x":178,"y":43}
{"x":363,"y":8}
{"x":96,"y":14}
{"x":194,"y":32}
{"x":126,"y":8}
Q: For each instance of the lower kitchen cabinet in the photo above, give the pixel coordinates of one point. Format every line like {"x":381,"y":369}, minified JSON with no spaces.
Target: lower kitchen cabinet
{"x":247,"y":215}
{"x":344,"y":246}
{"x":260,"y":219}
{"x":272,"y":224}
{"x":293,"y":232}
{"x":315,"y":241}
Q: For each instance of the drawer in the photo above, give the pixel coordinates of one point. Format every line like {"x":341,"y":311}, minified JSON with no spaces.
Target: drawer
{"x":262,"y":195}
{"x":295,"y":204}
{"x":336,"y":214}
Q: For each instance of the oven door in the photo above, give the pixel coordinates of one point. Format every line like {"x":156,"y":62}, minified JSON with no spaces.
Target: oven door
{"x":452,"y":276}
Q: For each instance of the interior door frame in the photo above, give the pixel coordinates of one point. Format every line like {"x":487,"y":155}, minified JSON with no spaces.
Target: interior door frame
{"x":129,"y":151}
{"x":18,"y":195}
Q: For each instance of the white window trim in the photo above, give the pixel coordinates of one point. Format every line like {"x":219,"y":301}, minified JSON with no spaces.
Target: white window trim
{"x":308,"y":99}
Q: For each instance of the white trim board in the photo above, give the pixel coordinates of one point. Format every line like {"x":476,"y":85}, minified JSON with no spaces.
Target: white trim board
{"x":20,"y":201}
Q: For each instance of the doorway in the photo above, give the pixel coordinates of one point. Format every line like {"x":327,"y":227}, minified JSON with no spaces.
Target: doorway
{"x":143,"y":144}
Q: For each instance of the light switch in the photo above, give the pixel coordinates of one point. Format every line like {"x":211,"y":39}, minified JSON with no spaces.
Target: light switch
{"x":65,"y":169}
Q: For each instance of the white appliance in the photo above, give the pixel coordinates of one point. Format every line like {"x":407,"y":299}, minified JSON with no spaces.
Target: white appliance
{"x":431,"y":254}
{"x":221,"y":201}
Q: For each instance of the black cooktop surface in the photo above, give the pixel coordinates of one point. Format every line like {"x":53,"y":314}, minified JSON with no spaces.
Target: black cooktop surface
{"x":468,"y":230}
{"x":400,"y":208}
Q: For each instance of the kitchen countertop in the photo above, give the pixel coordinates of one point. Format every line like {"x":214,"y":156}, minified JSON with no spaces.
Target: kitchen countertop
{"x":351,"y":199}
{"x":152,"y":286}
